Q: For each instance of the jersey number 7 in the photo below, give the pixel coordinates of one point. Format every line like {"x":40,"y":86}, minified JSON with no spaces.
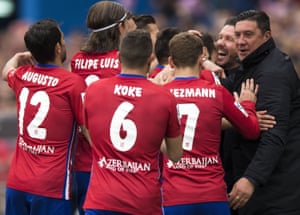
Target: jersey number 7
{"x":192,"y":112}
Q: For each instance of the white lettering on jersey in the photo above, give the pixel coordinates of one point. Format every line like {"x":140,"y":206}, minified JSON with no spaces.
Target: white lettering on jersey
{"x":193,"y":162}
{"x":192,"y":112}
{"x":109,"y":63}
{"x":194,"y":92}
{"x":36,"y":149}
{"x":86,"y":63}
{"x":128,"y":91}
{"x":104,"y":63}
{"x":40,"y":79}
{"x":123,"y":166}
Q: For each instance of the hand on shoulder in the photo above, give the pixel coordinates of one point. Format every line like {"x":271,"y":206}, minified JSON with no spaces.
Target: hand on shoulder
{"x":165,"y":76}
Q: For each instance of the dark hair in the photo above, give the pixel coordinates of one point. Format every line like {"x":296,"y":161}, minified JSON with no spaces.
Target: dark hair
{"x":260,"y":17}
{"x":230,"y":21}
{"x":142,"y":21}
{"x":162,"y":44}
{"x":135,"y":49}
{"x":101,"y":15}
{"x":185,"y":49}
{"x":41,"y":39}
{"x":209,"y":43}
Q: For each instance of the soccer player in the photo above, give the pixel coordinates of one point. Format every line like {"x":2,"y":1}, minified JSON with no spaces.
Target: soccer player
{"x":97,"y":59}
{"x":127,"y":131}
{"x":165,"y":74}
{"x":49,"y":106}
{"x":161,"y":49}
{"x":147,"y":23}
{"x":195,"y":184}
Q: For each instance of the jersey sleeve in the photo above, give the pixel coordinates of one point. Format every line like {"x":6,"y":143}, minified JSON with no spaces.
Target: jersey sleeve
{"x":241,"y":115}
{"x":173,"y":125}
{"x":210,"y":76}
{"x":11,"y":78}
{"x":77,"y":99}
{"x":85,"y":115}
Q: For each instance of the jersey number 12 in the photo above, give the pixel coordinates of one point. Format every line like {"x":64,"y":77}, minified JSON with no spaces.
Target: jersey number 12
{"x":40,"y":97}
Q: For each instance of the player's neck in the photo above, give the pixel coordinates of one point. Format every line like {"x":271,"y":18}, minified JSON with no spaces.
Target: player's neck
{"x":186,"y":72}
{"x":139,"y":71}
{"x":57,"y":63}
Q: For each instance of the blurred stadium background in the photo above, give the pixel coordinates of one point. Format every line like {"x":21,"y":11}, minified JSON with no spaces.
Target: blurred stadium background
{"x":204,"y":15}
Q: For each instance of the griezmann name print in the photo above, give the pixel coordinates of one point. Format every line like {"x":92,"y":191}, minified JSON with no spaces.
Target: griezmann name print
{"x":194,"y":92}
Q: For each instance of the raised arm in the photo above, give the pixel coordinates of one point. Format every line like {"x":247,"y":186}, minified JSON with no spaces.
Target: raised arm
{"x":19,"y":59}
{"x":241,"y":110}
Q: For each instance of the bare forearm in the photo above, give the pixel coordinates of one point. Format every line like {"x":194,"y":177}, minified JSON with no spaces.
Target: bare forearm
{"x":86,"y":134}
{"x":19,"y":59}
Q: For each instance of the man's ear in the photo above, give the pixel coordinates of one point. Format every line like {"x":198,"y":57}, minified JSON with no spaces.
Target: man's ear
{"x":267,"y":35}
{"x":205,"y":53}
{"x":121,"y":29}
{"x":119,"y":56}
{"x":58,"y":48}
{"x":151,"y":58}
{"x":201,"y":59}
{"x":171,"y":62}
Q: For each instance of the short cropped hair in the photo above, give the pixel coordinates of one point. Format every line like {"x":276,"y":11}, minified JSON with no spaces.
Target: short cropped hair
{"x":135,"y":49}
{"x":209,"y":43}
{"x":41,"y":39}
{"x":142,"y":21}
{"x":260,"y":17}
{"x":230,"y":21}
{"x":162,"y":44}
{"x":185,"y":49}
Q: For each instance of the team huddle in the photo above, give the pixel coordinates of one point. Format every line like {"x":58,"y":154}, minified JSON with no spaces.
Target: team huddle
{"x":154,"y":122}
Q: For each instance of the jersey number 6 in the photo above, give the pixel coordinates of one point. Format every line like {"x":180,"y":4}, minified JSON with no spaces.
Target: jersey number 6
{"x":120,"y":123}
